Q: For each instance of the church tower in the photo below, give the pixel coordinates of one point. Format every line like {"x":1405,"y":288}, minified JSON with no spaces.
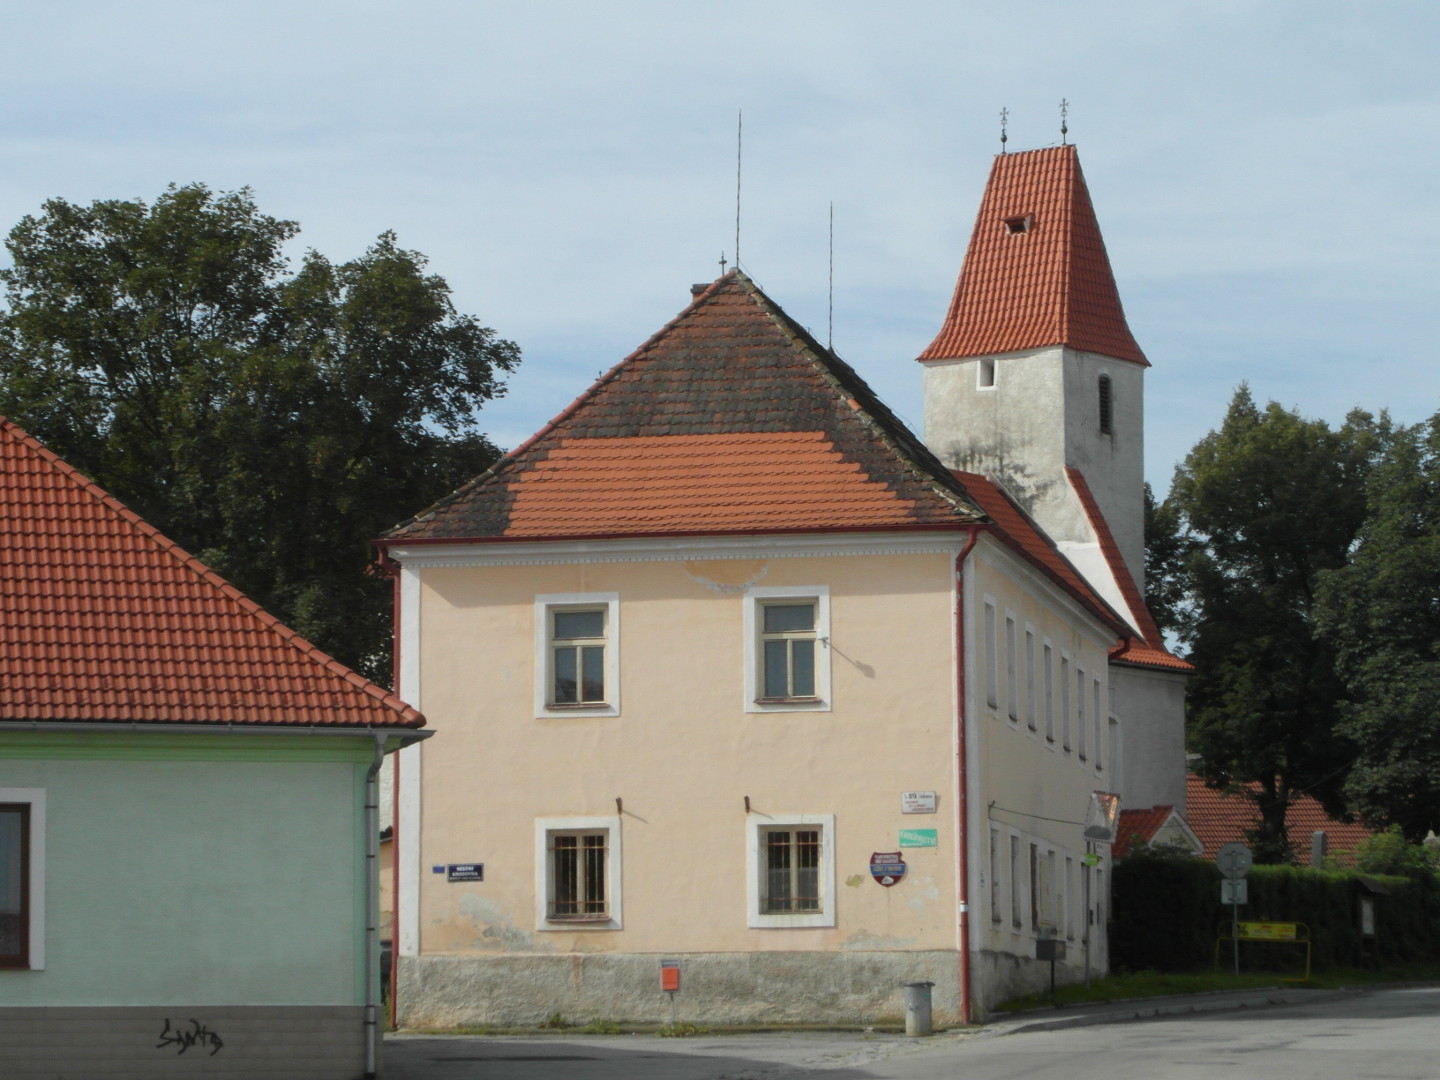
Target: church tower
{"x":1035,"y":379}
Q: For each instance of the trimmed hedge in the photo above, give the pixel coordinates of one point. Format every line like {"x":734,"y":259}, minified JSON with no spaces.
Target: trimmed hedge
{"x":1166,"y":911}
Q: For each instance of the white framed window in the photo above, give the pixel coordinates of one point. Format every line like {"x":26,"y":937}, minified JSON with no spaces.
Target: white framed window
{"x":996,"y":915}
{"x":1098,"y":719}
{"x":787,"y":653}
{"x":1048,"y":674}
{"x":577,"y":654}
{"x":985,"y":374}
{"x":22,"y":879}
{"x":1030,"y":678}
{"x":790,"y":870}
{"x":1081,"y":733}
{"x":1012,"y":679}
{"x":1017,"y":890}
{"x":1064,"y":702}
{"x":992,"y":658}
{"x":577,"y":873}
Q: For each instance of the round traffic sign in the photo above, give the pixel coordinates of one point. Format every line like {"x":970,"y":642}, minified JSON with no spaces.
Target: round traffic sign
{"x":1234,"y":861}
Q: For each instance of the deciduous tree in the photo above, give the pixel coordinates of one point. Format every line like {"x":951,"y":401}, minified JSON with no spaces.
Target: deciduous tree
{"x":271,"y":423}
{"x":1270,"y":501}
{"x":1381,"y":613}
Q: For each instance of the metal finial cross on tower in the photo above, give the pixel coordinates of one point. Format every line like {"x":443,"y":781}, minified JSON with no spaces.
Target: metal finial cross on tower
{"x":1004,"y":119}
{"x":722,"y":264}
{"x":1064,"y":113}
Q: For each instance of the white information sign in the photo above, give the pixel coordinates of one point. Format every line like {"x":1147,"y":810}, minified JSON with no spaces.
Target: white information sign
{"x":917,"y":802}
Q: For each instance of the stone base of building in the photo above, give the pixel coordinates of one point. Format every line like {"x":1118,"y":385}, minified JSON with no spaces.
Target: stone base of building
{"x":216,"y":1042}
{"x":715,"y":988}
{"x":998,"y":977}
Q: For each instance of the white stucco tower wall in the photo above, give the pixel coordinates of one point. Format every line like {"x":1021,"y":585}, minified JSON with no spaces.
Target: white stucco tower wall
{"x":1024,"y":417}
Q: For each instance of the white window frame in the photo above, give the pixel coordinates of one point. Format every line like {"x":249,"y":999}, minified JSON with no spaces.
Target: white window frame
{"x":545,"y":828}
{"x":545,"y":603}
{"x":756,"y":826}
{"x":992,"y":656}
{"x":35,"y":798}
{"x":757,"y":597}
{"x":1012,"y":680}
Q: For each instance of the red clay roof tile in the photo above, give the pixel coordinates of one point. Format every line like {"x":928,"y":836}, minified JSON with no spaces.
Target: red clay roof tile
{"x":1220,"y":819}
{"x":1138,"y":827}
{"x":731,"y":419}
{"x":103,"y":619}
{"x":1048,"y":284}
{"x":1149,"y":648}
{"x":1015,"y":527}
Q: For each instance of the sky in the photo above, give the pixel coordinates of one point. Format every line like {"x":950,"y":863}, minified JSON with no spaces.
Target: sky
{"x":1266,"y":174}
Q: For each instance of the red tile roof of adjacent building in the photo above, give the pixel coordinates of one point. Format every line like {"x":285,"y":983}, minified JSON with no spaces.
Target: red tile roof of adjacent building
{"x":1220,"y":819}
{"x":1014,"y":527}
{"x":104,"y":620}
{"x":731,"y":419}
{"x":1149,"y":648}
{"x":1138,"y":827}
{"x":1036,"y":273}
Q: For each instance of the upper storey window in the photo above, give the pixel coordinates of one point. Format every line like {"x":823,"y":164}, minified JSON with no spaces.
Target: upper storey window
{"x":1107,"y":405}
{"x":577,"y":669}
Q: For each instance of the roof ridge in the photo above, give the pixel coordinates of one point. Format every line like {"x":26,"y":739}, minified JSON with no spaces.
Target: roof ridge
{"x":917,"y":457}
{"x":493,"y":471}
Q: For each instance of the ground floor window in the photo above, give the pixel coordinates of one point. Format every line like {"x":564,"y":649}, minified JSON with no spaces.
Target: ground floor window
{"x":792,"y":870}
{"x":577,"y":873}
{"x":22,"y":878}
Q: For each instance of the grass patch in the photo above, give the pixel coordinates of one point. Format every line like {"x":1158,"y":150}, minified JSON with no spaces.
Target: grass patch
{"x":601,"y":1027}
{"x":683,"y":1030}
{"x":1143,"y":984}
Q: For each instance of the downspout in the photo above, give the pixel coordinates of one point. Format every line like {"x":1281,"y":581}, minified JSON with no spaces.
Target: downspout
{"x":962,"y":801}
{"x":372,"y":906}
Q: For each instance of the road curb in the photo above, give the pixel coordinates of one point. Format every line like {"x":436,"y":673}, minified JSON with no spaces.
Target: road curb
{"x":1148,"y":1008}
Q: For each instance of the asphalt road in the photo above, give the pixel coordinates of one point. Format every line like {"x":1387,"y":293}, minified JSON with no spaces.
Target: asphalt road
{"x":1391,"y":1034}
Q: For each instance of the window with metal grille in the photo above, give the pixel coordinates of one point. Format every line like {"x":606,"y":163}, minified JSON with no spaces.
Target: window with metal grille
{"x":15,"y":885}
{"x":577,"y":875}
{"x":787,"y":643}
{"x":577,"y":656}
{"x":1107,"y":405}
{"x":792,"y":871}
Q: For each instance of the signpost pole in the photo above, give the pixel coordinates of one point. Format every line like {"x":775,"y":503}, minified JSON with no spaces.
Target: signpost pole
{"x":1235,"y":926}
{"x":1089,"y":847}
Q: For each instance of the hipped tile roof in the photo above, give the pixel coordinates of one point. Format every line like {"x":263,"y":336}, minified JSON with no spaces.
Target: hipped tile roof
{"x":1219,"y":819}
{"x":104,"y":620}
{"x":731,"y":419}
{"x":1048,"y":284}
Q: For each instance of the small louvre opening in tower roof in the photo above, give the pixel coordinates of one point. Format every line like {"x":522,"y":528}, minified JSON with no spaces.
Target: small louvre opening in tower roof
{"x":1016,"y":225}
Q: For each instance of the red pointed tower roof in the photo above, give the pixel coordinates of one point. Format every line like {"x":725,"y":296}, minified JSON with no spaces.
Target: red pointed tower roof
{"x":1036,"y":272}
{"x":104,"y":620}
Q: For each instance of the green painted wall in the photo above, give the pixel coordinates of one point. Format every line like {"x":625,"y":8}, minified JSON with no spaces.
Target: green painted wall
{"x":224,"y":882}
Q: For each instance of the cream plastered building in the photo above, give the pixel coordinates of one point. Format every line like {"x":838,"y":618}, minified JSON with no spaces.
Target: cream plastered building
{"x":736,"y":677}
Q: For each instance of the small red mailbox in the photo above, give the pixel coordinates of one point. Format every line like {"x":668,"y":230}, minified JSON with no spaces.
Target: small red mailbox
{"x":669,"y":976}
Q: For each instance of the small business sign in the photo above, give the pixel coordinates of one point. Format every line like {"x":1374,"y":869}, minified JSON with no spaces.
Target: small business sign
{"x":1269,"y":931}
{"x":887,"y":867}
{"x":917,"y":802}
{"x":465,"y":871}
{"x":919,"y":838}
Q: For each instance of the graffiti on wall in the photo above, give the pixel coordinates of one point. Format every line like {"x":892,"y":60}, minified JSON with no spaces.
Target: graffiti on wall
{"x":183,"y":1039}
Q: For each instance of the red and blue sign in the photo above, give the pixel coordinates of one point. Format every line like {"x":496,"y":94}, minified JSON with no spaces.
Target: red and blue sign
{"x":887,"y":867}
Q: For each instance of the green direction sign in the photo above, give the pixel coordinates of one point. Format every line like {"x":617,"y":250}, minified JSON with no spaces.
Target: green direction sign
{"x":919,"y":838}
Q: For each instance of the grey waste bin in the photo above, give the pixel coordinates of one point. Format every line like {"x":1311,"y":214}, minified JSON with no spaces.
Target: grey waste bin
{"x":917,"y":1008}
